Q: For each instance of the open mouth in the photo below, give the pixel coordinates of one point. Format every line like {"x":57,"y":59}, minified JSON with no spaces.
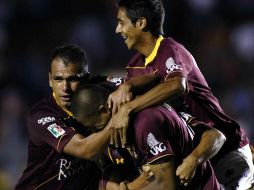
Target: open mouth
{"x":124,"y":38}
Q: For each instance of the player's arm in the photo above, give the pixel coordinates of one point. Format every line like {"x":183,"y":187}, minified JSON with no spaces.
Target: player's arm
{"x":164,"y":91}
{"x":161,"y":177}
{"x":88,"y":147}
{"x":151,"y":83}
{"x":135,"y":85}
{"x":210,"y":141}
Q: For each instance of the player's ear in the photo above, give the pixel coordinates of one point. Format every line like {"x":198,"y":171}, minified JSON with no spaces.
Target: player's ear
{"x":50,"y":78}
{"x":142,"y":23}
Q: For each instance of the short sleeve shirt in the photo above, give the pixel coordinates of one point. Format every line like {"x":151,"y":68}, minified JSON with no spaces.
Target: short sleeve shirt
{"x":171,"y":60}
{"x":48,"y":167}
{"x":160,"y":133}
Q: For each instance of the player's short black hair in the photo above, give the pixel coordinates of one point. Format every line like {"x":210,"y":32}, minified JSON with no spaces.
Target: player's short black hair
{"x":71,"y":54}
{"x":87,"y":99}
{"x":152,"y":10}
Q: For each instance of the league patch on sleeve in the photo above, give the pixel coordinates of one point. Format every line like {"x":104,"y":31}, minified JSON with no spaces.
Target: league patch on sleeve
{"x":171,"y":66}
{"x":156,"y":147}
{"x":116,"y":80}
{"x":56,"y":130}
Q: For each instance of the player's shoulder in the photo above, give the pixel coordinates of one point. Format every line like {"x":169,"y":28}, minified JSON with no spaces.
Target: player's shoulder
{"x":171,"y":45}
{"x":44,"y":108}
{"x":152,"y":114}
{"x":170,"y":42}
{"x":134,"y":60}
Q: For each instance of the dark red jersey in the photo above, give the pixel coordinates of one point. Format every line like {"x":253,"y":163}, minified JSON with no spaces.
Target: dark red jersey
{"x":159,"y":133}
{"x":171,"y":60}
{"x":47,"y":166}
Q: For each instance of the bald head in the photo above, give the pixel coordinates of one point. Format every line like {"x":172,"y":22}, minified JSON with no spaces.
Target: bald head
{"x":87,"y":100}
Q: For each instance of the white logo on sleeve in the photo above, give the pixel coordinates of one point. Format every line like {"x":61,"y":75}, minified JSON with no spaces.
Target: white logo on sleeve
{"x":171,"y":66}
{"x":45,"y":120}
{"x":116,"y":80}
{"x":155,"y":145}
{"x":56,"y":130}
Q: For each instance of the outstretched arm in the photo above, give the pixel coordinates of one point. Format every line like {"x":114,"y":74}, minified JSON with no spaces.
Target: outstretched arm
{"x":210,"y":143}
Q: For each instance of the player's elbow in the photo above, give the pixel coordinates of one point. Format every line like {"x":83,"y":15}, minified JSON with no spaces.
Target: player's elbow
{"x":177,"y":85}
{"x":221,"y":138}
{"x":218,"y":136}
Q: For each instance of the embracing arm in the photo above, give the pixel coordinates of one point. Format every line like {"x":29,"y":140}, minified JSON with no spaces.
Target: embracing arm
{"x":125,"y":91}
{"x":210,"y":143}
{"x":164,"y":91}
{"x":162,"y":178}
{"x":88,"y":147}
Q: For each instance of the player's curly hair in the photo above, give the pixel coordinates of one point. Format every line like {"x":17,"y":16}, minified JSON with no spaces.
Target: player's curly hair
{"x":152,"y":10}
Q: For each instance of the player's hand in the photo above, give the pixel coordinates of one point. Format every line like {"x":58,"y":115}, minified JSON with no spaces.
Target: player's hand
{"x":187,"y":170}
{"x":144,"y":179}
{"x":119,"y":123}
{"x":122,"y":95}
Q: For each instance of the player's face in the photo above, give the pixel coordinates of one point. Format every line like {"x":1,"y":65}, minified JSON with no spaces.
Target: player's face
{"x":64,"y":80}
{"x":96,"y":122}
{"x":130,"y":33}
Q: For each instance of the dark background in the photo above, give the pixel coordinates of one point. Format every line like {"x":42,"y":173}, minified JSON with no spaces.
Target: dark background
{"x":219,"y":34}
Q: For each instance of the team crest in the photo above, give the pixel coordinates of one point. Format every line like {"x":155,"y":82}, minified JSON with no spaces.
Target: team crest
{"x":56,"y":130}
{"x":171,"y":66}
{"x":155,"y":146}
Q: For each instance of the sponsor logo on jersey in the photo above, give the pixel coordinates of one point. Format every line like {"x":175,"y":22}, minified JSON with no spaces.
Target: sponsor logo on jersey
{"x":119,"y":160}
{"x":116,"y":80}
{"x":155,"y":146}
{"x":45,"y":120}
{"x":56,"y":130}
{"x":70,"y":168}
{"x":171,"y":66}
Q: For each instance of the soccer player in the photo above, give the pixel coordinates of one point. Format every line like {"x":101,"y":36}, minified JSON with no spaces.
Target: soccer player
{"x":140,"y":23}
{"x":59,"y":157}
{"x":162,"y":139}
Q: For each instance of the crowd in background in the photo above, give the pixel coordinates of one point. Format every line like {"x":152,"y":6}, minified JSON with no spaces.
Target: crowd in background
{"x":219,"y":33}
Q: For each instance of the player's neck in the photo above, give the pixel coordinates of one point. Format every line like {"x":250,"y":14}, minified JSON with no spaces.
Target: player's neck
{"x":147,"y":45}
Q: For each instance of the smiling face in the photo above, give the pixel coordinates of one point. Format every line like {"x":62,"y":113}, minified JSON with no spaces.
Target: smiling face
{"x":64,"y":79}
{"x":131,"y":33}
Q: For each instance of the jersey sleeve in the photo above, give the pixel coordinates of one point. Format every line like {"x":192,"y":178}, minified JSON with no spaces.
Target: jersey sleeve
{"x":47,"y":129}
{"x":173,"y":61}
{"x":151,"y":137}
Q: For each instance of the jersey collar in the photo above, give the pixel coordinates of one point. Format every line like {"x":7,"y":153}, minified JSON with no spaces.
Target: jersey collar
{"x":65,"y":110}
{"x":154,"y":52}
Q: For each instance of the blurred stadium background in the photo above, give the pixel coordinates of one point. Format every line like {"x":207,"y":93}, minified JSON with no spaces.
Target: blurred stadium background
{"x":219,"y":33}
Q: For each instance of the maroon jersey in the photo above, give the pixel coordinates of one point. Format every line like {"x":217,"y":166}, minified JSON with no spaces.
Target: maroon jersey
{"x":159,"y":133}
{"x":48,"y":167}
{"x":172,"y":59}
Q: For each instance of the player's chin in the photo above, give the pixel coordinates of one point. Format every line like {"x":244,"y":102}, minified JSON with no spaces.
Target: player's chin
{"x":66,"y":104}
{"x":130,"y":47}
